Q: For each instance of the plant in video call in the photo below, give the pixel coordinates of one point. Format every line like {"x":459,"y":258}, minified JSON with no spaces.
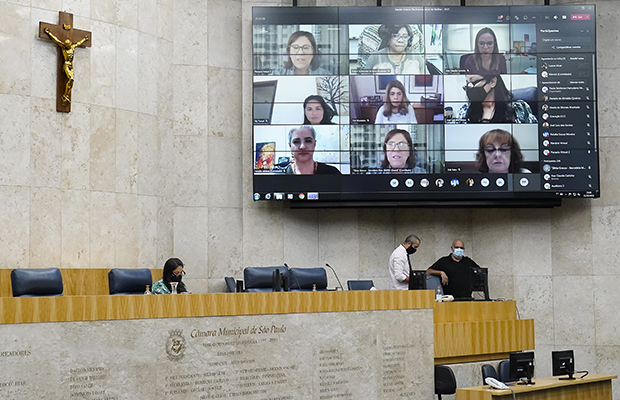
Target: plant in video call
{"x":333,"y":91}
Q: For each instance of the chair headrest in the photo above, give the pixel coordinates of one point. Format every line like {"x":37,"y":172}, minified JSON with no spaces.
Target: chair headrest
{"x":305,"y":278}
{"x":129,"y":281}
{"x":261,"y":277}
{"x":36,"y":282}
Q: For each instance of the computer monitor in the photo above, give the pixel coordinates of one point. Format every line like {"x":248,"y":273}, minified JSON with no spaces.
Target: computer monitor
{"x":479,"y":281}
{"x":563,"y":363}
{"x":417,"y":280}
{"x":522,"y":367}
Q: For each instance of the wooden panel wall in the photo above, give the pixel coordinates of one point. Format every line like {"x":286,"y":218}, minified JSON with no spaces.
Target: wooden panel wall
{"x":479,"y":330}
{"x":76,"y":281}
{"x":97,"y":308}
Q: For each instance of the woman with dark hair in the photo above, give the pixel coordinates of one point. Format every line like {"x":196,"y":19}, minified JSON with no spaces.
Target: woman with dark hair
{"x":394,"y":53}
{"x":399,"y":153}
{"x":173,"y":272}
{"x":303,"y":56}
{"x":491,"y":101}
{"x":396,"y":108}
{"x":486,"y":58}
{"x":316,"y":111}
{"x":499,"y":153}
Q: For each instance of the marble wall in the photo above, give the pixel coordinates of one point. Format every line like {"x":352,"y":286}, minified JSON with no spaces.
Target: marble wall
{"x":152,"y":163}
{"x":383,"y":354}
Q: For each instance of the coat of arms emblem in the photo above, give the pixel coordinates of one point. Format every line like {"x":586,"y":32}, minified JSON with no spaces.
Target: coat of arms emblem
{"x":175,"y":345}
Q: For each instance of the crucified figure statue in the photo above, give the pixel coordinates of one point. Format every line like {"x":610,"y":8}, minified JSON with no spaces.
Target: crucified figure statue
{"x":68,"y":52}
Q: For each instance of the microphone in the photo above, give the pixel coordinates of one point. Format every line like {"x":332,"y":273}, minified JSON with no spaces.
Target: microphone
{"x":290,"y":271}
{"x":336,"y":275}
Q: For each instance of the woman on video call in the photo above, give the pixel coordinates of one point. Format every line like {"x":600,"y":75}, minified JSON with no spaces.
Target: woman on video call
{"x":491,"y":101}
{"x":399,"y":153}
{"x":392,"y":56}
{"x":303,"y":56}
{"x":302,"y":142}
{"x":396,"y":108}
{"x":486,"y":58}
{"x":499,"y":153}
{"x":317,"y":112}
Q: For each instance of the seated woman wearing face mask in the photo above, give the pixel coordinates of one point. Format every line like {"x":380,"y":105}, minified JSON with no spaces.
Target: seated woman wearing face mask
{"x":173,"y":272}
{"x":491,"y":101}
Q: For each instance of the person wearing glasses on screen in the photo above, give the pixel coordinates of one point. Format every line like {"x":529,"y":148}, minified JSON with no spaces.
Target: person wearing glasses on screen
{"x":173,"y":272}
{"x":396,"y":108}
{"x":302,"y":142}
{"x":393,"y":55}
{"x":486,"y":58}
{"x":499,"y":153}
{"x":303,"y":56}
{"x":491,"y":101}
{"x":398,"y":154}
{"x":317,"y":112}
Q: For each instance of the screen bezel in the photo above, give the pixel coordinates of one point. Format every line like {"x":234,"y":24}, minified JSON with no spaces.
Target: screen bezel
{"x":430,"y":198}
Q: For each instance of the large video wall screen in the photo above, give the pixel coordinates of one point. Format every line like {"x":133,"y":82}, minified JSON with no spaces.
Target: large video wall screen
{"x":424,"y":103}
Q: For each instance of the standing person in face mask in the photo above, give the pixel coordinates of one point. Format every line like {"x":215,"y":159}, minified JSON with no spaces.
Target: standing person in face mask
{"x":173,"y":272}
{"x":400,"y":266}
{"x":454,"y":271}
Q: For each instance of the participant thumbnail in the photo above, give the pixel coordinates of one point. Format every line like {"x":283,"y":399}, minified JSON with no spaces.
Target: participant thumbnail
{"x":492,"y":148}
{"x":307,"y":100}
{"x":393,"y":149}
{"x":396,"y":99}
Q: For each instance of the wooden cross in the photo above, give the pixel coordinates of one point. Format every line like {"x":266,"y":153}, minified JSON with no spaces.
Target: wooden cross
{"x":67,"y":39}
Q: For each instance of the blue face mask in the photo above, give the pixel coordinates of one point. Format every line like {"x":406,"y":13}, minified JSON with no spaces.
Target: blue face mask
{"x":458,"y":253}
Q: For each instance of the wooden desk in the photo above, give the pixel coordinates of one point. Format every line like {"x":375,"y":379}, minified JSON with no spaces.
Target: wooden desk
{"x":479,"y":330}
{"x":592,"y":387}
{"x":19,"y":310}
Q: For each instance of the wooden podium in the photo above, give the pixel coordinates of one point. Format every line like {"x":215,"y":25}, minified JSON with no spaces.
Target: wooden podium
{"x":592,"y":387}
{"x":479,"y":330}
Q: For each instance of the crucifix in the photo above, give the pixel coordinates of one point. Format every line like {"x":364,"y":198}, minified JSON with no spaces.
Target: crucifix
{"x":67,"y":39}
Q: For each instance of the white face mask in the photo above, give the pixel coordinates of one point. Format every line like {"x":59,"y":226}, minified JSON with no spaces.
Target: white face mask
{"x":458,"y":253}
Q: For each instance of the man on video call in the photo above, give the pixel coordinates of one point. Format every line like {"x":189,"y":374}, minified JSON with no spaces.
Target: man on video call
{"x":454,"y":271}
{"x":400,"y":264}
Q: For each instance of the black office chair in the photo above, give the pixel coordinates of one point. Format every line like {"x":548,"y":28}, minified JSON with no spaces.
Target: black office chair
{"x":129,"y":281}
{"x":231,"y":284}
{"x":360,"y":285}
{"x":36,"y":282}
{"x":445,"y":382}
{"x":504,"y":371}
{"x":488,"y":371}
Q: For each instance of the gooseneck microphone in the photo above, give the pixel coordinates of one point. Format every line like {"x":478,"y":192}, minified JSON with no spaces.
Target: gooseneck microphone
{"x":290,"y":271}
{"x":336,"y":275}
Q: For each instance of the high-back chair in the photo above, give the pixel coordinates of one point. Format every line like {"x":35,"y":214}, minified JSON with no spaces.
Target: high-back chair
{"x":445,"y":382}
{"x":36,"y":282}
{"x":260,"y":279}
{"x":488,"y":371}
{"x":305,"y":279}
{"x":129,"y":281}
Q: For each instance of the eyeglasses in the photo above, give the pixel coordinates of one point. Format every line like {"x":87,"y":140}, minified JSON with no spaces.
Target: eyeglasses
{"x":491,"y":150}
{"x":486,"y":44}
{"x":404,"y":38}
{"x":182,"y":273}
{"x":471,"y":85}
{"x":297,"y":141}
{"x":400,"y":145}
{"x":306,"y":48}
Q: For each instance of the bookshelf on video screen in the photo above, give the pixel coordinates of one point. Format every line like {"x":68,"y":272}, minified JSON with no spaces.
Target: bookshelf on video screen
{"x":424,"y":103}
